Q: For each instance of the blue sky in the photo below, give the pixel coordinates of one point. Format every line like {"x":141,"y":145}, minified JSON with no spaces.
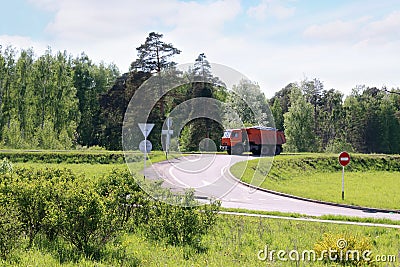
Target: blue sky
{"x":273,"y":42}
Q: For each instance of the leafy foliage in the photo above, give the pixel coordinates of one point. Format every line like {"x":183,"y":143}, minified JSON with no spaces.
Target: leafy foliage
{"x":299,"y":124}
{"x":41,"y":99}
{"x":76,"y":157}
{"x":54,"y":101}
{"x":57,"y":204}
{"x":345,"y":249}
{"x":6,"y":166}
{"x":180,"y":225}
{"x":10,"y":227}
{"x":338,"y":145}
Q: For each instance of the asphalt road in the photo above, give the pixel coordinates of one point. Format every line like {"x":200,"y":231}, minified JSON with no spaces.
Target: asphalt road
{"x":209,"y":176}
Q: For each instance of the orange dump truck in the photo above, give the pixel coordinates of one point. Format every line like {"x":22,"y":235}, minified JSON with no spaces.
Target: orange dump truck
{"x":264,"y":141}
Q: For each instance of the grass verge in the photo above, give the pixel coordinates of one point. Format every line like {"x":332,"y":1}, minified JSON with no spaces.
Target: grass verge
{"x":370,"y":180}
{"x":235,"y":241}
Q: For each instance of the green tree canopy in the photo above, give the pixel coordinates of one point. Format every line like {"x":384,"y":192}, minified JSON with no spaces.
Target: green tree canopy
{"x":299,"y":123}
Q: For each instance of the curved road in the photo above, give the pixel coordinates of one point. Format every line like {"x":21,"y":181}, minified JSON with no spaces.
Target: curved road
{"x":209,"y":176}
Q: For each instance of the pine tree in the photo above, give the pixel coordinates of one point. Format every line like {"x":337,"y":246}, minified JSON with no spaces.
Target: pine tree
{"x":154,"y":55}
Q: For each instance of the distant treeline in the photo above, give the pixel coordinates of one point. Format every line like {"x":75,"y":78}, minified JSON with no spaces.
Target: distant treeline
{"x":314,"y":119}
{"x":55,"y":101}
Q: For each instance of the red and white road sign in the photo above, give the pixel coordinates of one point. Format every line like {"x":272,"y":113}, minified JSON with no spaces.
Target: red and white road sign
{"x":344,"y":158}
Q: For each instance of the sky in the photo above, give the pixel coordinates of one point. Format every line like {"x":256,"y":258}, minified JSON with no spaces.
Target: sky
{"x":343,"y":43}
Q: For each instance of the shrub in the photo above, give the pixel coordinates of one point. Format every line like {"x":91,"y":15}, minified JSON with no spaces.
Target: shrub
{"x":6,"y":166}
{"x":10,"y":227}
{"x":57,"y":203}
{"x":58,"y":206}
{"x":80,"y":217}
{"x":345,"y":249}
{"x":124,"y":199}
{"x":338,"y":145}
{"x":179,"y":225}
{"x":34,"y":193}
{"x":91,"y":157}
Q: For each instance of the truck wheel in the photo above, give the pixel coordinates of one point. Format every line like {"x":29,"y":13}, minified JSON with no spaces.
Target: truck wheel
{"x":238,"y":150}
{"x":278,"y":150}
{"x":266,"y":151}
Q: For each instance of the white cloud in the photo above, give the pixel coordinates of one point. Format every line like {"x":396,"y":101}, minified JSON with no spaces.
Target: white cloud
{"x":364,"y":30}
{"x":93,"y":20}
{"x":342,"y":53}
{"x":270,"y":8}
{"x":338,"y":30}
{"x":112,"y":30}
{"x":387,"y":29}
{"x":22,"y":42}
{"x":49,"y":5}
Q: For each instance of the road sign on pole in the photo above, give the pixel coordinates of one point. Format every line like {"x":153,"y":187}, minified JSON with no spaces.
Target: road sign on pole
{"x":344,"y":160}
{"x":145,"y":146}
{"x":146,"y":129}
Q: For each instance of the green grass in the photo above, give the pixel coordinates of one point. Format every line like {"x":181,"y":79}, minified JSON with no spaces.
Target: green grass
{"x":320,"y":177}
{"x":93,"y":169}
{"x":234,"y":241}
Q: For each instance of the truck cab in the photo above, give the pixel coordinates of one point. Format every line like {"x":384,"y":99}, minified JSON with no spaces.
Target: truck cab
{"x":233,"y":141}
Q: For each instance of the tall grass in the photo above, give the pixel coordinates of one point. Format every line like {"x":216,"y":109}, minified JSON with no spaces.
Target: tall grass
{"x":235,"y":241}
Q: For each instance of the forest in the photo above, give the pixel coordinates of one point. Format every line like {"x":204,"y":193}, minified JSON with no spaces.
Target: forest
{"x":57,"y":101}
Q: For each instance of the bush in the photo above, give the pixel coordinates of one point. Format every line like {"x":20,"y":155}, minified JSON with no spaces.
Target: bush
{"x":12,"y":135}
{"x":81,"y":218}
{"x":57,"y":203}
{"x":124,"y":199}
{"x":34,"y":193}
{"x":179,"y":225}
{"x":58,"y":206}
{"x":10,"y":227}
{"x":6,"y":166}
{"x":345,"y":249}
{"x":338,"y":145}
{"x":77,"y":157}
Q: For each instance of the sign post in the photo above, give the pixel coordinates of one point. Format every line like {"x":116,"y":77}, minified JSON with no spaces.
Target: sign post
{"x":344,"y":160}
{"x":167,"y":134}
{"x":145,"y":146}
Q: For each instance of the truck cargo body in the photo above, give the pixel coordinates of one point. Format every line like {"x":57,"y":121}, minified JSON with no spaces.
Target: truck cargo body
{"x":264,"y":141}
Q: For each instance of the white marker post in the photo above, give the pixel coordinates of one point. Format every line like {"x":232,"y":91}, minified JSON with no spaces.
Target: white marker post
{"x":344,"y":160}
{"x":146,"y":129}
{"x":168,"y":133}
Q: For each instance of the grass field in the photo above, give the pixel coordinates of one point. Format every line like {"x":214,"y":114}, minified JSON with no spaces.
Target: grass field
{"x":93,"y":169}
{"x":234,"y":241}
{"x":320,"y":177}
